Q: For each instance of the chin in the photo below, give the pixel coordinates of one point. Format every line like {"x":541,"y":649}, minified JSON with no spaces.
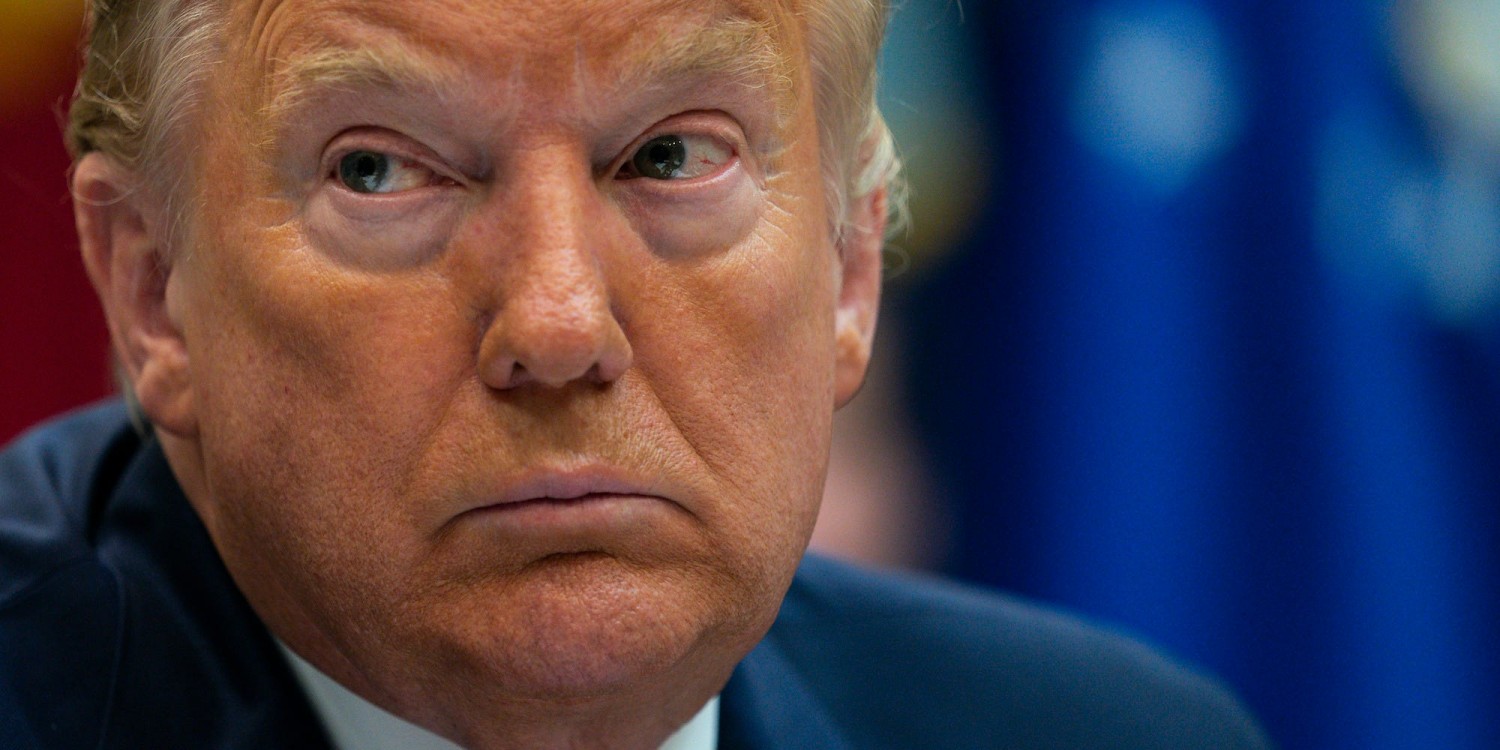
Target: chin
{"x":581,"y":626}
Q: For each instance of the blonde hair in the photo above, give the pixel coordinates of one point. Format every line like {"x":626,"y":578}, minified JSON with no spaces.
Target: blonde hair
{"x":144,"y":66}
{"x":145,"y":63}
{"x":859,"y":154}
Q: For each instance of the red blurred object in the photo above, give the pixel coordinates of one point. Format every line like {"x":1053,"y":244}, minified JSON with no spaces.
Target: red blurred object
{"x":54,"y":351}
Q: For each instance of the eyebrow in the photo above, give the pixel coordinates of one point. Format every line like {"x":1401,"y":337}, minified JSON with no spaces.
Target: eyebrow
{"x":351,"y":69}
{"x":741,"y":49}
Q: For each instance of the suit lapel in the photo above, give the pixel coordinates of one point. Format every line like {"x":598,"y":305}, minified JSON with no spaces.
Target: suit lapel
{"x":768,"y":706}
{"x":197,"y":668}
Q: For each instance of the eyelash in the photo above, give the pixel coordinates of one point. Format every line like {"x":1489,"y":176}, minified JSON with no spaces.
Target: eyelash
{"x":723,"y":153}
{"x":392,"y":146}
{"x":679,"y":147}
{"x":396,"y":162}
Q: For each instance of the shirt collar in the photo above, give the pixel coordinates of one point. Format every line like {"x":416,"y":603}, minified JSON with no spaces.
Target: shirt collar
{"x":354,"y":723}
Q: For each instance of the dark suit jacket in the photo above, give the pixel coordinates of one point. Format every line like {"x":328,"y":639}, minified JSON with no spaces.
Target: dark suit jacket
{"x":120,"y":628}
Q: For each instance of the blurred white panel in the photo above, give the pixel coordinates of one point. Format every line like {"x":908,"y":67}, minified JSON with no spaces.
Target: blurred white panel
{"x":1450,"y":50}
{"x":1156,"y":90}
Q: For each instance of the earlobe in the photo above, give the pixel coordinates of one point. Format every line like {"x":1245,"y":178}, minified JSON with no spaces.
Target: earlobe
{"x":122,"y":250}
{"x":859,"y":292}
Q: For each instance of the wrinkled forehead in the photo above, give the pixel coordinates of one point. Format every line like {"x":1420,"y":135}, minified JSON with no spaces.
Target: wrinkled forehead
{"x":581,"y":49}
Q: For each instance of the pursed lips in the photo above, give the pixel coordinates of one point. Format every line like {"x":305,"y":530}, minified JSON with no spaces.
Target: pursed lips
{"x":570,"y":512}
{"x":570,"y":488}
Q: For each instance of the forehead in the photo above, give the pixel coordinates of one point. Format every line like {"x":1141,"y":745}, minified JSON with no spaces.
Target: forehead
{"x":572,"y":47}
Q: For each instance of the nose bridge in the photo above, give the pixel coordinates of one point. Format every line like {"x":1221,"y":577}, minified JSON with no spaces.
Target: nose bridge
{"x":550,"y":215}
{"x":554,"y":321}
{"x":550,"y":178}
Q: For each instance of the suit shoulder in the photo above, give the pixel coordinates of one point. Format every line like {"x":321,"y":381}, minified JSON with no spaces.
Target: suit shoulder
{"x":50,"y":479}
{"x":917,"y":659}
{"x":60,"y":606}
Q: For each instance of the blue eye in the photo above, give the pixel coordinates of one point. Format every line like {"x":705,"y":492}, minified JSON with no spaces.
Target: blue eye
{"x":377,"y":173}
{"x":364,"y":171}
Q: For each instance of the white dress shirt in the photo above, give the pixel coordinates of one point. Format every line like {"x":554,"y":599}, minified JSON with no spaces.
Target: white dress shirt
{"x":357,"y":724}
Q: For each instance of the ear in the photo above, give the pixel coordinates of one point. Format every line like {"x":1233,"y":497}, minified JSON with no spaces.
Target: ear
{"x":123,"y":250}
{"x":859,"y":292}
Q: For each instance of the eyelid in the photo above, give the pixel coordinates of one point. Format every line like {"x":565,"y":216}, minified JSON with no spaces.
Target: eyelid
{"x":706,"y":124}
{"x":384,"y":142}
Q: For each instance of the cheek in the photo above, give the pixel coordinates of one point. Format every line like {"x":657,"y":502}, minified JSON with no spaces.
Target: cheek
{"x":740,"y":355}
{"x":319,"y":388}
{"x":316,"y":383}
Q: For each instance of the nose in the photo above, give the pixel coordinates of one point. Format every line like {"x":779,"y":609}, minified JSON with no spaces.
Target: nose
{"x":555,"y":322}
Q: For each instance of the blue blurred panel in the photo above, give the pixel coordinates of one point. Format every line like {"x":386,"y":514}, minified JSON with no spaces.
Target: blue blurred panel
{"x":1221,"y":363}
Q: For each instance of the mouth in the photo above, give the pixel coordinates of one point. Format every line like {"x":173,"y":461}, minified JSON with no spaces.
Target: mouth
{"x":572,"y":488}
{"x":599,"y":503}
{"x":560,"y":502}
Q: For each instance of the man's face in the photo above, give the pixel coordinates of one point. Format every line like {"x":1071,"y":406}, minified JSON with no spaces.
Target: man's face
{"x":511,"y":336}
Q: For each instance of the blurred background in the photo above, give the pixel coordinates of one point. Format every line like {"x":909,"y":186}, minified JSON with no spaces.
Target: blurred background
{"x":1197,"y":332}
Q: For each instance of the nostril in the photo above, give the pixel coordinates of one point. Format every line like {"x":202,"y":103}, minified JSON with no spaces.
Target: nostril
{"x":561,"y":368}
{"x":512,"y":356}
{"x":616,"y":357}
{"x":518,"y":376}
{"x":554,"y":325}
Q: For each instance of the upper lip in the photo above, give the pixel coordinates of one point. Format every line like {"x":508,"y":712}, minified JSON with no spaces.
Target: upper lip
{"x":568,"y":484}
